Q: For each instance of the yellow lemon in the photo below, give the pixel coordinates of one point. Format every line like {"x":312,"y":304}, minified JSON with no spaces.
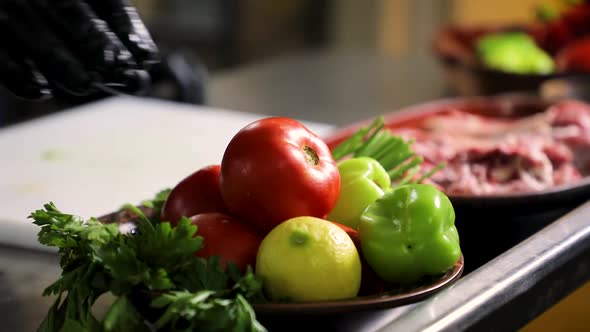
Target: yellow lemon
{"x":308,"y":259}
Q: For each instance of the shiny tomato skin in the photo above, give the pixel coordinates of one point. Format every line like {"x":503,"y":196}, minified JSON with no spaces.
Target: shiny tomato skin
{"x":226,"y":237}
{"x":275,"y":169}
{"x":197,"y":193}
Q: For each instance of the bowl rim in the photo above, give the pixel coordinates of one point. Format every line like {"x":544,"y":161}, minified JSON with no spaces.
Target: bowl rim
{"x":439,"y":105}
{"x":388,"y":299}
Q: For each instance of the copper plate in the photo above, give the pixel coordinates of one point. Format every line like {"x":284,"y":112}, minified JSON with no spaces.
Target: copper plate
{"x":125,"y":219}
{"x":370,"y":302}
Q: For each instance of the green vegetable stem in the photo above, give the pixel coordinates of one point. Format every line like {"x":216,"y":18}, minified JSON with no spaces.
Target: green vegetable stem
{"x":190,"y":293}
{"x":392,"y":152}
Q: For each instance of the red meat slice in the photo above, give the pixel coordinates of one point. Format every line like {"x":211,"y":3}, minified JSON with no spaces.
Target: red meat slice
{"x":494,"y":156}
{"x":570,"y":121}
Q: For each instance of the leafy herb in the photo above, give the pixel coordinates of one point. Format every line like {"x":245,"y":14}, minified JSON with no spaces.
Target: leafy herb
{"x":392,"y":152}
{"x":158,"y":261}
{"x":158,"y":201}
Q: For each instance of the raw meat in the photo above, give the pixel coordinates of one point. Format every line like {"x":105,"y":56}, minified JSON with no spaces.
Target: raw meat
{"x":488,"y":156}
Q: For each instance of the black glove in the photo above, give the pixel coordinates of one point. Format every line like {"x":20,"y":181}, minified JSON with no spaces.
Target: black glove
{"x":73,"y":47}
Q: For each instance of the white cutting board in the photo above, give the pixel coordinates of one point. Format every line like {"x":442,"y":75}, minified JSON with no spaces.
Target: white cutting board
{"x":91,"y":159}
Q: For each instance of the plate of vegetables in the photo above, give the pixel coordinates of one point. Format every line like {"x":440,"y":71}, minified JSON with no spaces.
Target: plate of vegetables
{"x":283,"y":226}
{"x":486,"y":60}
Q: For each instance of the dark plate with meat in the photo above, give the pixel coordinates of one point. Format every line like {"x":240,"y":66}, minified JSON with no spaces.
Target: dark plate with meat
{"x":514,"y":163}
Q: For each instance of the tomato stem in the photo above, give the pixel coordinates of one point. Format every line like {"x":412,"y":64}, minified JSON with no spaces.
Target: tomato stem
{"x":311,"y":155}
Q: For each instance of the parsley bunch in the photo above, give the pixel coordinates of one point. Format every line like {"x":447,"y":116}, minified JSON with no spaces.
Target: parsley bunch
{"x":157,"y":282}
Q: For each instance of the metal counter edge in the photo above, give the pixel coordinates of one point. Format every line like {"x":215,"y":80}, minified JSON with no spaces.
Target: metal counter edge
{"x":514,"y":288}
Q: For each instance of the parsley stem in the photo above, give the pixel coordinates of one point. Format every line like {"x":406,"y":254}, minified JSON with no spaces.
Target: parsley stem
{"x":140,"y":216}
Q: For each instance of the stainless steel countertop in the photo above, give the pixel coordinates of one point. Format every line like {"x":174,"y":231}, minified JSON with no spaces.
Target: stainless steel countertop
{"x":557,"y":258}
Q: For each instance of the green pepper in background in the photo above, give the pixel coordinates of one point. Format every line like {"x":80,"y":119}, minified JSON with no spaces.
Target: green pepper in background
{"x":363,"y":180}
{"x":410,"y":233}
{"x":514,"y":52}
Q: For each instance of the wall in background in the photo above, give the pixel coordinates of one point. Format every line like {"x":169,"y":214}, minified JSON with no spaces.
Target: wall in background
{"x":391,"y":27}
{"x":408,"y":26}
{"x":234,"y":32}
{"x":496,"y":11}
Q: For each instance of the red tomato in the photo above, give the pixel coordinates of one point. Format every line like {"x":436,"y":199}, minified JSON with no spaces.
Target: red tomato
{"x":275,"y":169}
{"x":353,"y":233}
{"x":197,"y":193}
{"x":552,"y":36}
{"x":226,"y":237}
{"x":575,"y":56}
{"x":371,"y":283}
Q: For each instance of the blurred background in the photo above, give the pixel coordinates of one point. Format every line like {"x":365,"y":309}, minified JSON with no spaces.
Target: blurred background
{"x":341,"y":61}
{"x":331,"y":61}
{"x":227,"y":34}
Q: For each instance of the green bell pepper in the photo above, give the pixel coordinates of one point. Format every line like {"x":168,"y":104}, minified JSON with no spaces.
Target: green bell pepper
{"x":363,"y":180}
{"x":410,"y":233}
{"x":514,"y":52}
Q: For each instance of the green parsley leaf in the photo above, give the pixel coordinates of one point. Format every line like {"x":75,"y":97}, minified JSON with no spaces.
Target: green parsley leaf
{"x":122,"y":317}
{"x":96,"y":258}
{"x":203,"y":310}
{"x":158,"y":201}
